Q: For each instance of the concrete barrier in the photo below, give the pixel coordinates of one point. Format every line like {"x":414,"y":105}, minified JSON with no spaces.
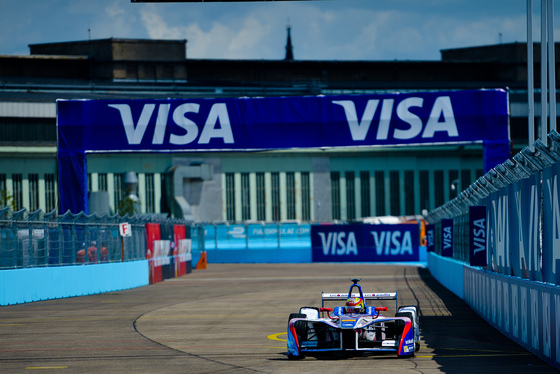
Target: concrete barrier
{"x":526,"y":311}
{"x":33,"y":284}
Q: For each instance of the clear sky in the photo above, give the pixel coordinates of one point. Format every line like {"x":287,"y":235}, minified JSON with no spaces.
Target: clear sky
{"x":321,"y":30}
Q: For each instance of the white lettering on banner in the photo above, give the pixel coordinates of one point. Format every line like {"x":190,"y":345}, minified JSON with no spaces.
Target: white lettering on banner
{"x":506,"y":308}
{"x":524,"y":316}
{"x":557,"y":324}
{"x":521,"y":243}
{"x":534,"y":233}
{"x":338,"y":244}
{"x":441,"y":119}
{"x":515,"y":310}
{"x":553,"y":200}
{"x":447,"y":237}
{"x":390,"y":243}
{"x":499,"y":303}
{"x":135,"y":132}
{"x":546,"y":324}
{"x":501,"y":234}
{"x":493,"y":300}
{"x":479,"y":235}
{"x":534,"y":318}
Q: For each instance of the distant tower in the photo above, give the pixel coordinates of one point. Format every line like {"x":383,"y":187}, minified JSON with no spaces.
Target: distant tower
{"x":289,"y":47}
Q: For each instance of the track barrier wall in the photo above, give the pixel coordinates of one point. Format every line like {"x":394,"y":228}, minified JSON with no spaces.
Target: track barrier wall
{"x":497,"y":246}
{"x":44,"y":256}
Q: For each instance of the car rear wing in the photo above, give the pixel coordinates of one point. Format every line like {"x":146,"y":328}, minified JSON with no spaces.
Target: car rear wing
{"x":368,"y":296}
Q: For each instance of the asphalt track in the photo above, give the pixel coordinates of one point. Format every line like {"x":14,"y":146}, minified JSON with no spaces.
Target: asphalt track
{"x":232,"y":318}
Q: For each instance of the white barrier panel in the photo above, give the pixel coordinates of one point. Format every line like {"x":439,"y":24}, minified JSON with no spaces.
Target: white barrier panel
{"x":527,"y":312}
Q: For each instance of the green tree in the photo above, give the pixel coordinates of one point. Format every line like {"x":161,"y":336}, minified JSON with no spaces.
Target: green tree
{"x":128,"y":205}
{"x":6,"y":199}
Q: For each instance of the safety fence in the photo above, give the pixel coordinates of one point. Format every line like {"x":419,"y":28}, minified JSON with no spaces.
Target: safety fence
{"x":519,"y":232}
{"x":38,"y":239}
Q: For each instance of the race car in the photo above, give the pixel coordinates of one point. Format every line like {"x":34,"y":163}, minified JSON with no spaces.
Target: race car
{"x":353,"y":329}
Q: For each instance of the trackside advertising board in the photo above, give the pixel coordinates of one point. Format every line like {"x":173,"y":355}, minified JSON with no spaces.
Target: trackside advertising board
{"x":365,"y":243}
{"x":251,"y":124}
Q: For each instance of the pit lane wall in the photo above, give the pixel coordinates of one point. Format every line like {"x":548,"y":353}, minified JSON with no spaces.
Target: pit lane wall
{"x":516,"y":286}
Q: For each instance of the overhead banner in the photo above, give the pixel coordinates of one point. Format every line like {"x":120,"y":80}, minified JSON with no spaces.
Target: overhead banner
{"x":250,"y":124}
{"x":365,"y":243}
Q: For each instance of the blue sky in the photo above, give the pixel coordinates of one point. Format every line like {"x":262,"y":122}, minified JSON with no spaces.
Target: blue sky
{"x":321,"y":30}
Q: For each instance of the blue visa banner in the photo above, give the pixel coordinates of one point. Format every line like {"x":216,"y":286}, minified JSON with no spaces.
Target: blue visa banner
{"x":250,"y":124}
{"x":430,"y":238}
{"x":477,"y":231}
{"x":447,"y":238}
{"x":551,"y":231}
{"x":365,"y":243}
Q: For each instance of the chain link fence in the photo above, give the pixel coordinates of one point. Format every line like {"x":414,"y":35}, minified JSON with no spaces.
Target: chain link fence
{"x":32,"y":239}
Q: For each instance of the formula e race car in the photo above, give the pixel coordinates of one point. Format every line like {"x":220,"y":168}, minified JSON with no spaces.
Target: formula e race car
{"x":353,"y":329}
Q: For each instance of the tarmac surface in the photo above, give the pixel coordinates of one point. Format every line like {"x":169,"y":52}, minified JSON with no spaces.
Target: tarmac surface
{"x":232,"y":318}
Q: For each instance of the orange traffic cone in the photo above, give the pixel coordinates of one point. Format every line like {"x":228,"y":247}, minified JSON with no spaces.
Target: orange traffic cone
{"x":202,"y":264}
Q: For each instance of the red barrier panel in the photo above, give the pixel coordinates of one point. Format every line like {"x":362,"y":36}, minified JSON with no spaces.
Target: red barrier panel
{"x":153,"y":251}
{"x":168,"y":256}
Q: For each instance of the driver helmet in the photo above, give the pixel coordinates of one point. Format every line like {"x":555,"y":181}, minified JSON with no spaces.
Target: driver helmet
{"x":355,"y":305}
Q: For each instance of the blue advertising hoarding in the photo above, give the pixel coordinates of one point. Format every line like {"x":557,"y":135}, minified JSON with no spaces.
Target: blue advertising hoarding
{"x":365,"y":243}
{"x":447,"y":237}
{"x":250,"y":124}
{"x":431,"y":238}
{"x":477,"y":235}
{"x":551,"y":231}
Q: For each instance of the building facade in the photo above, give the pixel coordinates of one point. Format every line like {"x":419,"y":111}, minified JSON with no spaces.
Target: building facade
{"x":306,"y":184}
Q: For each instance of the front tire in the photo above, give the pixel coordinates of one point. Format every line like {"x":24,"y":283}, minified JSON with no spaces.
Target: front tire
{"x":301,"y":330}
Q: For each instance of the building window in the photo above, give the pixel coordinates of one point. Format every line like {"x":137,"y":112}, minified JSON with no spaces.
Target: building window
{"x":261,"y":197}
{"x":132,"y":71}
{"x":32,"y":131}
{"x":424,"y":189}
{"x":438,"y":187}
{"x":290,"y":196}
{"x":365,"y":193}
{"x":453,"y":183}
{"x":18,"y":190}
{"x":245,"y":197}
{"x":4,"y":201}
{"x":150,"y":193}
{"x":350,"y":196}
{"x":50,"y":192}
{"x":118,"y":189}
{"x":335,"y":195}
{"x":305,"y":197}
{"x":395,"y":192}
{"x":275,"y":192}
{"x":230,"y":196}
{"x":102,"y":182}
{"x":465,"y":179}
{"x":379,"y":193}
{"x":33,"y":192}
{"x":409,"y":192}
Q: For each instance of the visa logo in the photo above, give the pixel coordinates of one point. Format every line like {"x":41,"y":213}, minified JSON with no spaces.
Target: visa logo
{"x":441,"y":118}
{"x":337,"y":243}
{"x":392,"y":243}
{"x":186,"y":130}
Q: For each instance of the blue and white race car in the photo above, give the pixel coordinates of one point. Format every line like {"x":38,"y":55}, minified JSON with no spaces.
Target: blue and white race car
{"x":355,"y":328}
